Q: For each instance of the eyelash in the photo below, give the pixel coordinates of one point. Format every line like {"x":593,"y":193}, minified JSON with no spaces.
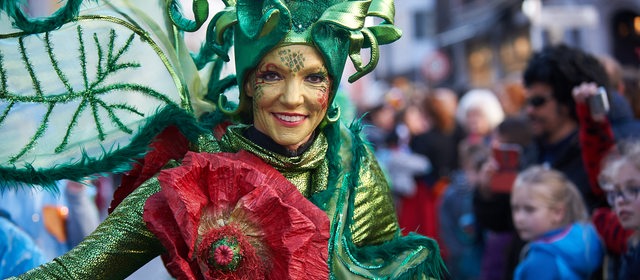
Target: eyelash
{"x":320,"y":76}
{"x":265,"y":75}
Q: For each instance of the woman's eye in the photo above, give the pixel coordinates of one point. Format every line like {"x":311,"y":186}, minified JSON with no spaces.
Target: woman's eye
{"x":269,"y":76}
{"x":315,"y":78}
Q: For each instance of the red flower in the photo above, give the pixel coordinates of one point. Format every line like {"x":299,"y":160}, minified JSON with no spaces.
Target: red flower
{"x":232,"y":216}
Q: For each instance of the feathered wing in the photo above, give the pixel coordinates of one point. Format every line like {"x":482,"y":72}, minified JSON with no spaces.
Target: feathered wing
{"x":89,"y":96}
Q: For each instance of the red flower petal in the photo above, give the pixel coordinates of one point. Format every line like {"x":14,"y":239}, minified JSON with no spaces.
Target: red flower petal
{"x":168,"y":233}
{"x":213,"y":194}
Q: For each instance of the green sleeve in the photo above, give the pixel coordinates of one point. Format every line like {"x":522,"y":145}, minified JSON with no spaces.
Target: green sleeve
{"x":374,"y":215}
{"x":117,"y":248}
{"x":365,"y":240}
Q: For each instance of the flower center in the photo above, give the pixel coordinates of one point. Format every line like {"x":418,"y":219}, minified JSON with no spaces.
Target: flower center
{"x":225,"y":254}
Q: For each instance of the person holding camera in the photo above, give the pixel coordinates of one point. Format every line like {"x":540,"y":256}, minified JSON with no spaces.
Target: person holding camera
{"x":549,"y":78}
{"x":600,"y":152}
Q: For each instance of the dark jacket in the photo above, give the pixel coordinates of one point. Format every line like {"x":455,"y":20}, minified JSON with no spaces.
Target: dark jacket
{"x":566,"y":157}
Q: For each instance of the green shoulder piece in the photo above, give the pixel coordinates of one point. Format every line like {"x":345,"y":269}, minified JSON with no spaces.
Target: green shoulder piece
{"x":390,"y":256}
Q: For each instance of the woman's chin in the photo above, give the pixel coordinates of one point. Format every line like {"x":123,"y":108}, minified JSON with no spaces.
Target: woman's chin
{"x":291,"y":142}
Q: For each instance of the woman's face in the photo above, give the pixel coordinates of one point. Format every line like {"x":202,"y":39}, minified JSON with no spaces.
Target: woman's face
{"x":415,"y":121}
{"x":477,"y":122}
{"x":622,"y":192}
{"x":532,"y":215}
{"x":290,"y":91}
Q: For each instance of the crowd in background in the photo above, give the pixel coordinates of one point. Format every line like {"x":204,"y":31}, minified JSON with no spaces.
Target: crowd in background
{"x":510,"y":179}
{"x":507,"y":179}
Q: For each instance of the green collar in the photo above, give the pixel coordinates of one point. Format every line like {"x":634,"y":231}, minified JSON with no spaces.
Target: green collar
{"x":308,"y":171}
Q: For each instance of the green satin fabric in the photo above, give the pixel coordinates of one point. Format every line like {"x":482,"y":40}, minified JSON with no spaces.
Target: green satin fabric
{"x":373,"y":220}
{"x":308,"y":172}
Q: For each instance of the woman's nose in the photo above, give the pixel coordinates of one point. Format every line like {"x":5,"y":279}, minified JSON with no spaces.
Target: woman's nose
{"x":292,"y":96}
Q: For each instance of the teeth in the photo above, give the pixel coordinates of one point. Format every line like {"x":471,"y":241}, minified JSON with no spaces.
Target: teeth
{"x":290,"y":118}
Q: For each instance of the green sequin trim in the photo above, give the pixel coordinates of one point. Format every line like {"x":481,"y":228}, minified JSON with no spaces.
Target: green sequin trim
{"x":337,"y":223}
{"x":345,"y":245}
{"x":54,"y":63}
{"x":184,"y":94}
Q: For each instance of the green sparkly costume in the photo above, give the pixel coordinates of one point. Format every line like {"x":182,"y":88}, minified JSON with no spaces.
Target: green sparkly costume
{"x":338,"y":172}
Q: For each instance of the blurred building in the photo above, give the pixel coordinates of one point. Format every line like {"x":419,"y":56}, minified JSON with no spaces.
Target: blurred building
{"x":476,"y":43}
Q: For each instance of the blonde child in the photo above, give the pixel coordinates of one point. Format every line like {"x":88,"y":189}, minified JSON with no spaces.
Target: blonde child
{"x":620,"y":180}
{"x":549,"y":213}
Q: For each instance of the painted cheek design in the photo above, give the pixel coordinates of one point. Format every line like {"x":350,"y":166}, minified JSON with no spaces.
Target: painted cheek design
{"x":294,"y":60}
{"x":323,"y":95}
{"x":259,"y":92}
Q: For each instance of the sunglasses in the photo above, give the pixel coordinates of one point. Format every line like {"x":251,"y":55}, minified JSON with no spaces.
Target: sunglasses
{"x":537,"y":101}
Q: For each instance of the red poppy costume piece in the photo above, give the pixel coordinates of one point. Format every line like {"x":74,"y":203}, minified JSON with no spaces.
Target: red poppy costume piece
{"x":233,"y":216}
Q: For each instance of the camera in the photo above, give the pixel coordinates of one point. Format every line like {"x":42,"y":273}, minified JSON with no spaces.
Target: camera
{"x":599,"y":103}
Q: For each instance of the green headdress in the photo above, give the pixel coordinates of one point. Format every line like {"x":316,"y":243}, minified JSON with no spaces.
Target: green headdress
{"x":335,"y":27}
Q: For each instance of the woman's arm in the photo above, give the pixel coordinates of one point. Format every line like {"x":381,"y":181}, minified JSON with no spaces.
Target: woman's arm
{"x":117,"y":248}
{"x":374,"y":215}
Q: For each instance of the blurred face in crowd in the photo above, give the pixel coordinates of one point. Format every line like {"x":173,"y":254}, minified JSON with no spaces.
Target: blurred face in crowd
{"x":547,"y":116}
{"x":532,"y":214}
{"x":622,"y":193}
{"x":477,"y":122}
{"x":415,"y":120}
{"x":290,"y":90}
{"x":384,"y":117}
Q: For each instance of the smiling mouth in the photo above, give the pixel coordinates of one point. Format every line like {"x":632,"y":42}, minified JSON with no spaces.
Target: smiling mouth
{"x":290,"y":118}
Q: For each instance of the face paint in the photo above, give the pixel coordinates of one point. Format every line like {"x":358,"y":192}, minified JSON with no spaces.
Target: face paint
{"x":323,"y":90}
{"x":292,"y":59}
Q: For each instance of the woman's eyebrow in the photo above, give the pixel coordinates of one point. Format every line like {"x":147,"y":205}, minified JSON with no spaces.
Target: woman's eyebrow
{"x":268,"y":66}
{"x":315,"y":69}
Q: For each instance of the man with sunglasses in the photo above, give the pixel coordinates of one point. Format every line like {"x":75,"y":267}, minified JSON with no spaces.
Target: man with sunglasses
{"x":549,"y":78}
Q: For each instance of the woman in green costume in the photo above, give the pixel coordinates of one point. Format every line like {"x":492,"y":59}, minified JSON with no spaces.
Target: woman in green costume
{"x":289,"y":58}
